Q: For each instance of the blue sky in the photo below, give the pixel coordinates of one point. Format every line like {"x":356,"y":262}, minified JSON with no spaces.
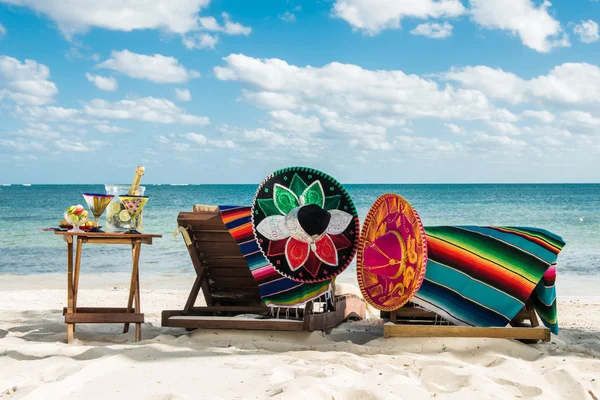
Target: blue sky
{"x":370,"y":91}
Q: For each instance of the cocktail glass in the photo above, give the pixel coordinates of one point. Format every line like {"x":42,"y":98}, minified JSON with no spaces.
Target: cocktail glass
{"x":133,"y":205}
{"x":97,"y":203}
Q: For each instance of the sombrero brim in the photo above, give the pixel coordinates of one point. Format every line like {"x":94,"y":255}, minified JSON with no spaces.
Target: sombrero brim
{"x":392,"y":253}
{"x":278,"y":197}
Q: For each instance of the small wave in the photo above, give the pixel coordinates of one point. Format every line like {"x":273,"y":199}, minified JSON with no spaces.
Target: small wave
{"x":180,"y":184}
{"x":27,"y":184}
{"x":6,"y":184}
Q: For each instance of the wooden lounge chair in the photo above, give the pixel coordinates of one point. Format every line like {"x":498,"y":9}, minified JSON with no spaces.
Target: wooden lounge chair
{"x":230,"y":291}
{"x":412,"y":321}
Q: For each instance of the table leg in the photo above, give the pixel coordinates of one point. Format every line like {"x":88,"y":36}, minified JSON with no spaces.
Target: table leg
{"x":138,"y":326}
{"x":78,"y":251}
{"x":135,"y":252}
{"x":70,"y":327}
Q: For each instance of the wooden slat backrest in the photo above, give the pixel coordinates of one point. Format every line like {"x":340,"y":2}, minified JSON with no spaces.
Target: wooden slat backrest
{"x":228,"y":279}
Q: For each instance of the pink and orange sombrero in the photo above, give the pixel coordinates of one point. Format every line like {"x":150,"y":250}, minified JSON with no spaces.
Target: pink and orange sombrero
{"x":392,"y":253}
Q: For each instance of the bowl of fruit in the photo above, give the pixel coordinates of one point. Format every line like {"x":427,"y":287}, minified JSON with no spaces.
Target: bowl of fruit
{"x":76,"y":217}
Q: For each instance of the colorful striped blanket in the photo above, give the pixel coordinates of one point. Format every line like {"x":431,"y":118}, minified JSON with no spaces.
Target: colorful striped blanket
{"x":478,"y":276}
{"x":275,"y":289}
{"x":483,"y":276}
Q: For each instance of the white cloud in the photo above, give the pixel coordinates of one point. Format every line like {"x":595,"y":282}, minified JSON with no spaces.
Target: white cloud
{"x":425,"y":146}
{"x":108,"y":84}
{"x":104,"y":128}
{"x":570,"y":83}
{"x":410,"y":145}
{"x":2,"y":31}
{"x":580,"y":119}
{"x":504,"y":128}
{"x":53,"y":114}
{"x":147,"y":109}
{"x":20,"y":144}
{"x":229,"y":28}
{"x":533,"y":24}
{"x":587,"y":31}
{"x":210,"y":24}
{"x":574,"y":83}
{"x":183,"y":94}
{"x":370,"y":144}
{"x":202,"y":140}
{"x":455,"y":129}
{"x":433,"y":30}
{"x":271,"y":100}
{"x":156,"y":68}
{"x":29,"y":157}
{"x":543,"y":115}
{"x":494,"y":82}
{"x":286,"y":121}
{"x":288,"y":16}
{"x":353,"y":91}
{"x":373,"y":16}
{"x":223,"y":144}
{"x":269,"y":139}
{"x":78,"y":16}
{"x":200,"y":41}
{"x":26,"y":82}
{"x":482,"y":140}
{"x":68,"y":145}
{"x":180,"y":146}
{"x":354,"y":128}
{"x":196,"y":138}
{"x":94,"y":112}
{"x":70,"y":129}
{"x":38,"y":131}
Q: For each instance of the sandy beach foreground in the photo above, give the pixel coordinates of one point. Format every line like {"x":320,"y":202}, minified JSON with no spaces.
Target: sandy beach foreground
{"x":354,"y":362}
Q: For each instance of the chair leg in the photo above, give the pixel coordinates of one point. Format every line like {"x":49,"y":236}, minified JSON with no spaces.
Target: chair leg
{"x":532,"y":315}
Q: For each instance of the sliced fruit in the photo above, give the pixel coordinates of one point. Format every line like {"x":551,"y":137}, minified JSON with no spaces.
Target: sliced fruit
{"x":71,"y":210}
{"x":124,"y":216}
{"x":115,"y":207}
{"x":79,"y":209}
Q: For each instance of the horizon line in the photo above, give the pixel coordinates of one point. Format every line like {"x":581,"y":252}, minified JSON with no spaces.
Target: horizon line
{"x":344,"y":183}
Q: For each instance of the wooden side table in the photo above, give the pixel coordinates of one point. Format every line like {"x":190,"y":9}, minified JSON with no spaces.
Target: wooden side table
{"x":87,"y":315}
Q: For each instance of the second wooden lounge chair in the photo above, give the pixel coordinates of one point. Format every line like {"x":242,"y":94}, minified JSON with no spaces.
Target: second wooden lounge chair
{"x":232,"y":295}
{"x":413,"y":321}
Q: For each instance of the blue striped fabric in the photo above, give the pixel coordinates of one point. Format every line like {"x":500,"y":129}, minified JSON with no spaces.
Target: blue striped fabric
{"x":482,"y":276}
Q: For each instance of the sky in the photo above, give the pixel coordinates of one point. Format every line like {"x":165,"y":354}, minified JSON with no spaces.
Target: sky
{"x":369,"y":91}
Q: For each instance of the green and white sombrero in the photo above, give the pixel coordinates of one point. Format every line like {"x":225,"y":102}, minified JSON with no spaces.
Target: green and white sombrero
{"x":306,"y":224}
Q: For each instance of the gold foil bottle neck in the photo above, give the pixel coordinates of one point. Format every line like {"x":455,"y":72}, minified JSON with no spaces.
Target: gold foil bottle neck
{"x":134,"y":190}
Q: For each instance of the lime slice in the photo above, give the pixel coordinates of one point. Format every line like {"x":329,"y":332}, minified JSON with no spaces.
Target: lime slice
{"x":115,"y":207}
{"x":124,"y":216}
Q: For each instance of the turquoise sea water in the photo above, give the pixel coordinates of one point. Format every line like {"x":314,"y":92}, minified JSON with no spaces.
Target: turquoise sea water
{"x":24,"y":249}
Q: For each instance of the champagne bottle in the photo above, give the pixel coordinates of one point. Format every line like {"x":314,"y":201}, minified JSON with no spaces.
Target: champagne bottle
{"x":134,"y":190}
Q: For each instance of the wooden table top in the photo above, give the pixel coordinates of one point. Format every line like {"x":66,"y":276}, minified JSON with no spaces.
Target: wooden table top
{"x":109,"y":235}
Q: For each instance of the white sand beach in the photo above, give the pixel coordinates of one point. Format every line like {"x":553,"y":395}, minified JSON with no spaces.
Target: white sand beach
{"x":353,"y":362}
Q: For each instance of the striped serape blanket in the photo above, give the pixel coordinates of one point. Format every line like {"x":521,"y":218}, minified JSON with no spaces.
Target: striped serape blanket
{"x":275,"y":289}
{"x":483,"y":276}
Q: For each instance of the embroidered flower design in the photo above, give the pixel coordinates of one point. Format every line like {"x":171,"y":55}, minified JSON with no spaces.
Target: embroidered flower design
{"x":304,"y":225}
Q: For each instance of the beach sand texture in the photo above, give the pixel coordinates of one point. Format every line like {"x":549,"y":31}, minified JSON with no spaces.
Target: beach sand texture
{"x":354,"y":362}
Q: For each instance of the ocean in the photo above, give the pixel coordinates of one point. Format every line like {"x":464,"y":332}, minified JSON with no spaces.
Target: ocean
{"x":569,"y":210}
